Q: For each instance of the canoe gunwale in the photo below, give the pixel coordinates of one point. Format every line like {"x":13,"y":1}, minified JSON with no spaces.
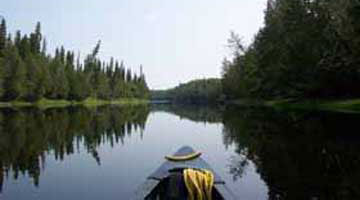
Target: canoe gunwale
{"x":197,"y":163}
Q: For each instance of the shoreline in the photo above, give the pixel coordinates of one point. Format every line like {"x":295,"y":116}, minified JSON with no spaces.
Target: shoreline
{"x":48,"y":103}
{"x":345,"y":105}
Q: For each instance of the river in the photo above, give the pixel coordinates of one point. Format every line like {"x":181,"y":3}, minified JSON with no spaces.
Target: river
{"x":107,"y":152}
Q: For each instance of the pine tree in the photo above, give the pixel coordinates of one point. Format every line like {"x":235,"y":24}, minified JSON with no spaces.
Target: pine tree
{"x":103,"y":89}
{"x":3,"y":35}
{"x":122,"y":71}
{"x":62,"y":55}
{"x":59,"y":83}
{"x":2,"y":77}
{"x":24,"y":47}
{"x":17,"y":40}
{"x":128,"y":76}
{"x":73,"y":84}
{"x":69,"y":60}
{"x":32,"y":82}
{"x":44,"y":47}
{"x":28,"y":73}
{"x":82,"y":88}
{"x":15,"y":75}
{"x":35,"y":39}
{"x":117,"y":82}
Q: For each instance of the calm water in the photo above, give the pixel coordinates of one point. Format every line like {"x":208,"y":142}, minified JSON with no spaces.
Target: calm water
{"x":106,"y":152}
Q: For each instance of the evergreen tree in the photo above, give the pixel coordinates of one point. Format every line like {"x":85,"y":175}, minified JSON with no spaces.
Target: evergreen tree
{"x":35,"y":39}
{"x":3,"y":35}
{"x":128,"y":76}
{"x":306,"y":49}
{"x":24,"y":47}
{"x":14,"y":75}
{"x":17,"y":39}
{"x":71,"y":75}
{"x":28,"y":73}
{"x":62,"y":55}
{"x":122,"y":71}
{"x":2,"y":76}
{"x":34,"y":88}
{"x":59,"y":84}
{"x":43,"y":47}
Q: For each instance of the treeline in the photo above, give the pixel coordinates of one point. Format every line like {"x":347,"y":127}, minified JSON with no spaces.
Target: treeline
{"x":193,"y":92}
{"x":306,"y":49}
{"x":29,"y":73}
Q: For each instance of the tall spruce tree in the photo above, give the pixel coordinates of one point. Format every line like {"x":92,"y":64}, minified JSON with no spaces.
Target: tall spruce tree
{"x":128,"y":75}
{"x":3,"y":35}
{"x":14,"y":75}
{"x":35,"y":39}
{"x":17,"y":40}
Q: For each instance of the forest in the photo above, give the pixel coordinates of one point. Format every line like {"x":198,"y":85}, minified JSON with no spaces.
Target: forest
{"x":29,"y":73}
{"x":307,"y":49}
{"x":200,"y":91}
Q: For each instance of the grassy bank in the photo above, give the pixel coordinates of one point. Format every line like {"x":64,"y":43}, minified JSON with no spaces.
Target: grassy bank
{"x":348,"y":105}
{"x":48,"y":103}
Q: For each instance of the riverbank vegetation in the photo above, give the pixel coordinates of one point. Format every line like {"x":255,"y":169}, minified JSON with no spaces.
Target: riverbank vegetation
{"x":29,"y":75}
{"x":306,"y":55}
{"x":89,"y":102}
{"x":306,"y":50}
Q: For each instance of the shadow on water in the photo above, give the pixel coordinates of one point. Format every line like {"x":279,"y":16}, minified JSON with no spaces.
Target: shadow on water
{"x":27,"y":135}
{"x":299,"y":155}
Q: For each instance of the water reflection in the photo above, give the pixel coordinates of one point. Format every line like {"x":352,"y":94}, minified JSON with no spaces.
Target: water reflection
{"x":195,"y":113}
{"x":300,"y":155}
{"x":27,"y":135}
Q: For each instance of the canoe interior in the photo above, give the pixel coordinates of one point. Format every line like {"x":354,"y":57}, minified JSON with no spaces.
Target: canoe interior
{"x":167,"y":189}
{"x":163,"y":180}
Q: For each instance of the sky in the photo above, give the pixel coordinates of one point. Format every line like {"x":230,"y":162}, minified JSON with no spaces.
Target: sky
{"x":175,"y":40}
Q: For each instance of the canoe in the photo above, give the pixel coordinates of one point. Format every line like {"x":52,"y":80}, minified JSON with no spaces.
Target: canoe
{"x":154,"y":183}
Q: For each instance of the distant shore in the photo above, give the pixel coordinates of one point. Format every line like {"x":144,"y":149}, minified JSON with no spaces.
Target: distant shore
{"x":48,"y":103}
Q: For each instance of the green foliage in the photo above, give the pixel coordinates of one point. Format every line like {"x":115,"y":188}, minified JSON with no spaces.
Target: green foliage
{"x":35,"y":39}
{"x":59,"y":85}
{"x":27,"y":73}
{"x":14,"y":74}
{"x":194,"y":92}
{"x":307,"y":49}
{"x":2,"y":36}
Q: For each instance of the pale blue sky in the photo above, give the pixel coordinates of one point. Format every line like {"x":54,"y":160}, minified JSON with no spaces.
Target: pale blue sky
{"x":175,"y":40}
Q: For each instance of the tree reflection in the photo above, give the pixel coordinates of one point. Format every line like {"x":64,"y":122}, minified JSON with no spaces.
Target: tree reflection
{"x":28,"y":135}
{"x":237,"y":166}
{"x":196,"y":113}
{"x":300,"y":155}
